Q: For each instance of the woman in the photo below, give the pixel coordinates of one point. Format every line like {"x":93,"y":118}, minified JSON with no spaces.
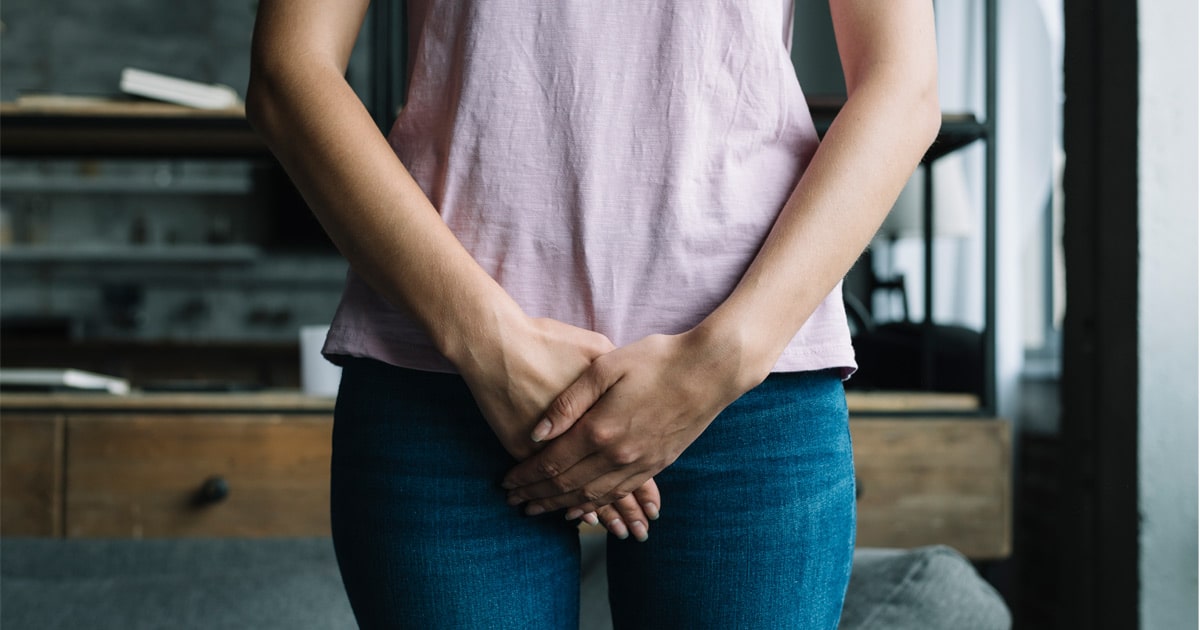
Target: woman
{"x":601,"y":241}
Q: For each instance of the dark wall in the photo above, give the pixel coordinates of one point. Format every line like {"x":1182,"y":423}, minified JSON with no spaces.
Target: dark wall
{"x":80,"y":46}
{"x":814,"y":51}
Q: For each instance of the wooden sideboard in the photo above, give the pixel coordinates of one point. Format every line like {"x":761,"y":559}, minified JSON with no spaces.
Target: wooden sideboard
{"x":256,"y":464}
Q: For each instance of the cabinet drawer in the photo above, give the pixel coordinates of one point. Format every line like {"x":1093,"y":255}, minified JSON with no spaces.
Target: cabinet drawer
{"x":145,"y":476}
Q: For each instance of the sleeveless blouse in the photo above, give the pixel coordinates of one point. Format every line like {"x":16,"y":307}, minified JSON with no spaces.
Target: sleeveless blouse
{"x":613,"y":165}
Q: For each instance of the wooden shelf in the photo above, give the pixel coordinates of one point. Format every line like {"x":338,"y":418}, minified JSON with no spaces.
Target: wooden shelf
{"x":273,"y":401}
{"x":107,"y":128}
{"x":100,"y":253}
{"x":897,"y":402}
{"x":282,"y":401}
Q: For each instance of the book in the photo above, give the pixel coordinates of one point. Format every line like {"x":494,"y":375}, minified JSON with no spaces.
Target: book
{"x":60,"y":378}
{"x":176,"y":90}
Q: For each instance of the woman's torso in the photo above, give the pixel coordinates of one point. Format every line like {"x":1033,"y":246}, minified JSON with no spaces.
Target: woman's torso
{"x":613,"y":165}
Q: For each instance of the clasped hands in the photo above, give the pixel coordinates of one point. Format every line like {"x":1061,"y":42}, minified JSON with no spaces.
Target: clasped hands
{"x":609,"y":418}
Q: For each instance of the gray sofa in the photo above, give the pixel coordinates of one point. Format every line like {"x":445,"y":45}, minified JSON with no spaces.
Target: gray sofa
{"x":210,"y":584}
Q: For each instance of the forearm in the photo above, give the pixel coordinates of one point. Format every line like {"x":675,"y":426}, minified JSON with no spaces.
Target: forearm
{"x":372,"y":209}
{"x":889,"y":120}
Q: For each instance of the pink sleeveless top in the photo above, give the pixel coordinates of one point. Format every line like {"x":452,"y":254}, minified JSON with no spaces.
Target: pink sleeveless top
{"x":612,"y":165}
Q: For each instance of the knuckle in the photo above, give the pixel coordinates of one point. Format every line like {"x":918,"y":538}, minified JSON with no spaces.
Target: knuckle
{"x":592,"y":493}
{"x":563,"y":407}
{"x":600,"y":436}
{"x":603,"y":370}
{"x":561,"y":485}
{"x":601,"y":345}
{"x":547,"y":469}
{"x":623,"y":456}
{"x":631,"y":488}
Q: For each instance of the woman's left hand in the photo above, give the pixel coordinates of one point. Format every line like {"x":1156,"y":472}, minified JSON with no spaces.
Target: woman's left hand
{"x":630,"y":415}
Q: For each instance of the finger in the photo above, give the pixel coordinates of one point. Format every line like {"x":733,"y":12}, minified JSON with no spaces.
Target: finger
{"x":611,"y":518}
{"x":622,"y":517}
{"x":574,"y":401}
{"x":577,"y":481}
{"x":649,"y":498}
{"x":551,"y":462}
{"x":646,"y":498}
{"x":613,"y":521}
{"x":593,"y":495}
{"x":635,"y":519}
{"x":628,"y":515}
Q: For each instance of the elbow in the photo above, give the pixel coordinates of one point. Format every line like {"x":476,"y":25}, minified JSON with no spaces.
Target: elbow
{"x":259,"y":102}
{"x":266,"y":93}
{"x":927,"y":113}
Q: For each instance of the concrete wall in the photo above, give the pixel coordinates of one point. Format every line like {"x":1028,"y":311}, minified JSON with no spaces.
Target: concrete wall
{"x":1167,"y":312}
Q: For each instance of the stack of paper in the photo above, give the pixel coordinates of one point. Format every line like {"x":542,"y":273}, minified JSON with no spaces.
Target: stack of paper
{"x":176,"y":90}
{"x":54,"y":378}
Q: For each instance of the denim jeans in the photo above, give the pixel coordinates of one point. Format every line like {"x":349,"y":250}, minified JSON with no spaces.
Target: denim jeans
{"x":757,"y":525}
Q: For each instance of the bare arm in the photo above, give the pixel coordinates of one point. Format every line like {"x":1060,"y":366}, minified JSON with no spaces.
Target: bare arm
{"x":370,"y":206}
{"x":890,"y":118}
{"x":384,"y":224}
{"x":640,"y":406}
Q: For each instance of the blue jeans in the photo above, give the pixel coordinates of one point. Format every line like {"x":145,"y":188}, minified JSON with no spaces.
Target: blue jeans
{"x":757,"y":525}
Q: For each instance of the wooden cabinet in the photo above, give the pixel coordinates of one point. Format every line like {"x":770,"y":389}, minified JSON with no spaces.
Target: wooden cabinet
{"x":934,"y":481}
{"x":164,"y":465}
{"x":31,"y":483}
{"x":258,"y":465}
{"x":196,"y":475}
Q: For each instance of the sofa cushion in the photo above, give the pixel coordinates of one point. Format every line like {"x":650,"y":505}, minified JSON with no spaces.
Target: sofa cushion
{"x":294,"y":583}
{"x":183,"y":584}
{"x":928,"y":588}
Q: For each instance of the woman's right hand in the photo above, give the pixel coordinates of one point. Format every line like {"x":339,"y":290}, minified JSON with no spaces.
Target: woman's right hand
{"x":514,"y":380}
{"x":526,"y":366}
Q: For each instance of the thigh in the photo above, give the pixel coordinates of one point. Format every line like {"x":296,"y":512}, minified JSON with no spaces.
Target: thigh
{"x":423,"y":536}
{"x":757,"y":525}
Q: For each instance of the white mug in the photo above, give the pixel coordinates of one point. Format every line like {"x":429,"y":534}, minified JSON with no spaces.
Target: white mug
{"x":318,"y":377}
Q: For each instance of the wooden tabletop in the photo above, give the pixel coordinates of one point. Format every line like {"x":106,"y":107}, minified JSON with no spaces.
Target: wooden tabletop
{"x":296,"y":401}
{"x":65,"y":105}
{"x":264,"y":401}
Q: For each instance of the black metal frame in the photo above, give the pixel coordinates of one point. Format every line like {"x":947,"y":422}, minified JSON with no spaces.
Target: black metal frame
{"x":1098,"y":562}
{"x":958,"y":131}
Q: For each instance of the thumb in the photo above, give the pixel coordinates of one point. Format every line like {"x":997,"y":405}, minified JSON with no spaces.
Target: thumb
{"x":573,"y":402}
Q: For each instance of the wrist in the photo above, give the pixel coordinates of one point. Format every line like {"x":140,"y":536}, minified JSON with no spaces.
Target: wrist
{"x":469,"y":336}
{"x":747,"y":356}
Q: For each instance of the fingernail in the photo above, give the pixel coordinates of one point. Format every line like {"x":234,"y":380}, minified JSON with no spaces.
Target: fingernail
{"x":541,"y":430}
{"x":651,"y":511}
{"x":574,"y":514}
{"x":590,"y":518}
{"x":534,"y":510}
{"x":513,"y":500}
{"x":618,"y":529}
{"x":639,"y":531}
